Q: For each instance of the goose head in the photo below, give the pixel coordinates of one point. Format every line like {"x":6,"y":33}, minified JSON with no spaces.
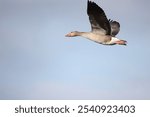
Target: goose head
{"x":73,"y":34}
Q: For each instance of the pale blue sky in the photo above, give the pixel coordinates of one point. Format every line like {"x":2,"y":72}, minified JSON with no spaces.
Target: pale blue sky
{"x":38,"y":62}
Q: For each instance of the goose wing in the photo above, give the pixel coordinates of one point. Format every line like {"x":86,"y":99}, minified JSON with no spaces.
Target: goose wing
{"x":98,"y":19}
{"x":115,"y":27}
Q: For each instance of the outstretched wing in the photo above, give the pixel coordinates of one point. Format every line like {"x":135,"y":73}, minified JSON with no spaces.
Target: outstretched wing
{"x":98,"y":19}
{"x":115,"y":27}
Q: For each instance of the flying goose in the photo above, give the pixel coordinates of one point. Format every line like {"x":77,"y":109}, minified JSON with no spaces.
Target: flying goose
{"x":103,"y":30}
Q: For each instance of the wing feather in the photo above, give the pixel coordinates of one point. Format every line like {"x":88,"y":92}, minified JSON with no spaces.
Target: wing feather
{"x":98,"y":19}
{"x":115,"y":27}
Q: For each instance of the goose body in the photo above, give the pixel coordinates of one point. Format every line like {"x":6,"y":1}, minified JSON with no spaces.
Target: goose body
{"x":103,"y":30}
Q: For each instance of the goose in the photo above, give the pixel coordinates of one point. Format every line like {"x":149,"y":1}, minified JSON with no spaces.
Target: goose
{"x":103,"y":31}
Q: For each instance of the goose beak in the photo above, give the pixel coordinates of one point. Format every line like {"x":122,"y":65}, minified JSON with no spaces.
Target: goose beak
{"x":68,"y":35}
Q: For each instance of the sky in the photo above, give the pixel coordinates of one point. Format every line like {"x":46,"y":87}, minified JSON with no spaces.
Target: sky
{"x":37,"y":61}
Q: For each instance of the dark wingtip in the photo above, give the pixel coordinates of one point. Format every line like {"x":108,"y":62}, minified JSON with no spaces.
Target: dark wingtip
{"x":93,"y":6}
{"x":91,"y":2}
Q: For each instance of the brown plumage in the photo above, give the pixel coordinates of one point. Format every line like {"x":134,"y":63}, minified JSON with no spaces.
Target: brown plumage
{"x":103,"y":31}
